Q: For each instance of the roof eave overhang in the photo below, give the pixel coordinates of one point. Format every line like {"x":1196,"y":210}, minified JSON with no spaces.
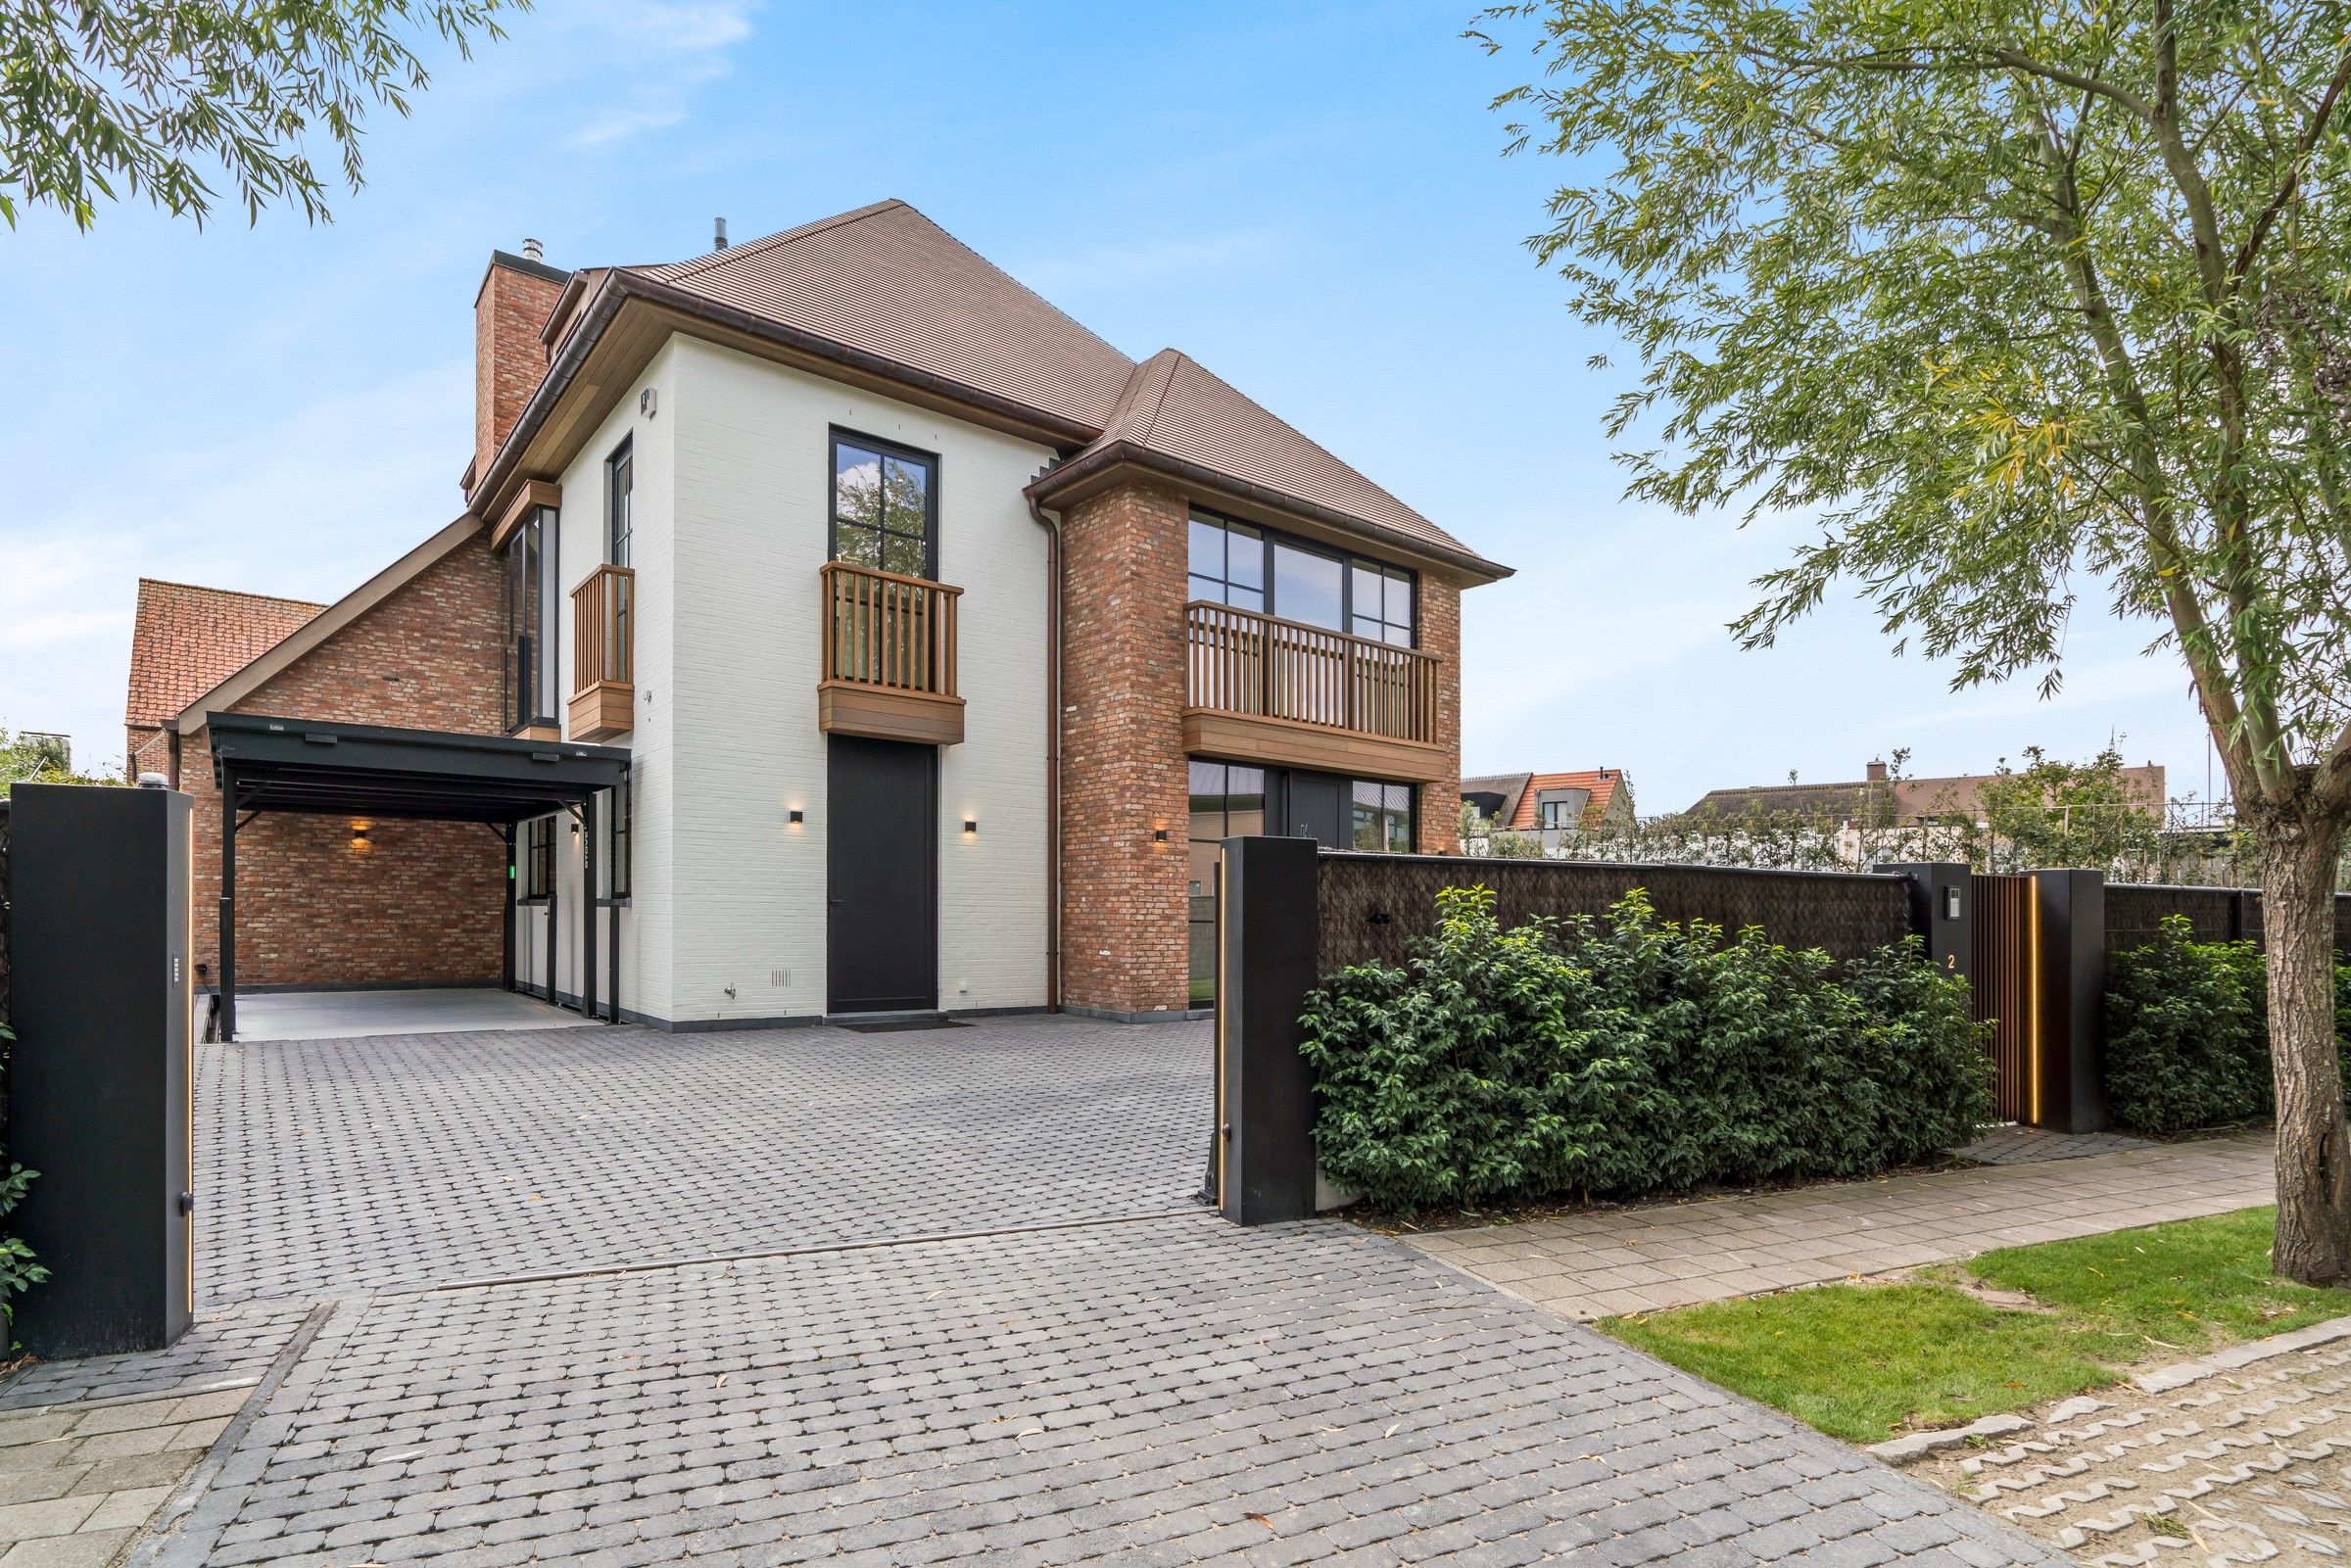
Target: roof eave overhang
{"x":585,"y":373}
{"x":1107,"y":466}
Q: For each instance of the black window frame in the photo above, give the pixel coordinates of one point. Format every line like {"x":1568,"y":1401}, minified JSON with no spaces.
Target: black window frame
{"x":618,"y":825}
{"x":537,"y":855}
{"x":1408,"y":816}
{"x":839,"y":436}
{"x":620,"y":510}
{"x":1349,"y":560}
{"x":533,"y":610}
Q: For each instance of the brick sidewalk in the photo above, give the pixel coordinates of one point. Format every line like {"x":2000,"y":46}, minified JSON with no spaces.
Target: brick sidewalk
{"x":1609,"y":1262}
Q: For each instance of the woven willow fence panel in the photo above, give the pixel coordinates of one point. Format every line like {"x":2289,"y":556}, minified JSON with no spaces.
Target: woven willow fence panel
{"x":2134,"y":911}
{"x":1373,"y":905}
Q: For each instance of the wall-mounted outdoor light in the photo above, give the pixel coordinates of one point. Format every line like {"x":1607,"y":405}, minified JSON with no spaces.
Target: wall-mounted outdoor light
{"x":796,"y":815}
{"x":971,"y":826}
{"x":1159,"y":836}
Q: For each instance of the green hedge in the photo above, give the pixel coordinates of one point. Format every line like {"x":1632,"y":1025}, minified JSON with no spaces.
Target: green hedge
{"x":2188,"y":1032}
{"x":1622,"y":1055}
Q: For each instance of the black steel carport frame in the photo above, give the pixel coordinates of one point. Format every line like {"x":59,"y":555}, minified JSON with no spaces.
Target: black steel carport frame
{"x":262,"y":763}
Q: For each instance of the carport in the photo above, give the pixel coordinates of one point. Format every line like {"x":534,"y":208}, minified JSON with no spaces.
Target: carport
{"x":265,"y":764}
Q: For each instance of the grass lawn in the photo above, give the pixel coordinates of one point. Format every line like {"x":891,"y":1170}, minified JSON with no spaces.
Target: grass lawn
{"x":1864,"y":1361}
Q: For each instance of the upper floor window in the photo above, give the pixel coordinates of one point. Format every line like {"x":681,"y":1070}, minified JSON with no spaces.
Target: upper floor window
{"x":1561,"y":808}
{"x":1250,"y":569}
{"x":884,"y":503}
{"x":619,"y":522}
{"x":531,"y":621}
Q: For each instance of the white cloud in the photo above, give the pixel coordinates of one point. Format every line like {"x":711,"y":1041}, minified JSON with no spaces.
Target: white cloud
{"x":626,"y":123}
{"x":672,"y":49}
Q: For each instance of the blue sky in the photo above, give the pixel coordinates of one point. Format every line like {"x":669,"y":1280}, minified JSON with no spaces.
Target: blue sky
{"x":1308,"y":198}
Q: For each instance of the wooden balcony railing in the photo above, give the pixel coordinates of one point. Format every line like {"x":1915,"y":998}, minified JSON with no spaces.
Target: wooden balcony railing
{"x":1377,"y":702}
{"x":889,"y":656}
{"x":603,"y":654}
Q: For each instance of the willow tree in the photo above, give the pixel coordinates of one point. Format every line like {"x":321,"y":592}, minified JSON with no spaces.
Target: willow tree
{"x":2021,"y":301}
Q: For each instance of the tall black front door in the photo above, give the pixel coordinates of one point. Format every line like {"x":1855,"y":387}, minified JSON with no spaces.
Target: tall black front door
{"x":882,"y":875}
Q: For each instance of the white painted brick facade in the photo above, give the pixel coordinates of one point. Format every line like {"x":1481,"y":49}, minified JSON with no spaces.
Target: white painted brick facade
{"x":731,"y":487}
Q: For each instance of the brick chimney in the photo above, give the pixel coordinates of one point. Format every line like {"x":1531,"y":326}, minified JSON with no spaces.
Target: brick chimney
{"x":518,"y":293}
{"x":1877,"y":773}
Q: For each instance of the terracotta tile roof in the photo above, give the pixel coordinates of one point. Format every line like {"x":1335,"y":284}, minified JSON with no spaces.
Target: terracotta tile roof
{"x":1174,"y":407}
{"x":187,"y":639}
{"x":887,"y":280}
{"x":1602,"y":782}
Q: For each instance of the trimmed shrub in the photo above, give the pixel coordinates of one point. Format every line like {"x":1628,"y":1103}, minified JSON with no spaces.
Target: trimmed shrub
{"x":2188,"y":1032}
{"x":1624,"y":1055}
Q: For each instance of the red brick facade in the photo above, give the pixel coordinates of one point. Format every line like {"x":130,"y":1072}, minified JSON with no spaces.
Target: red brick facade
{"x":1124,"y":938}
{"x":415,"y":901}
{"x":1439,"y":818}
{"x":508,"y":359}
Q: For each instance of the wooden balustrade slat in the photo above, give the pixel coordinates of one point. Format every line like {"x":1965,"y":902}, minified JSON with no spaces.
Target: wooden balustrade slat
{"x":1239,"y":661}
{"x":886,"y":629}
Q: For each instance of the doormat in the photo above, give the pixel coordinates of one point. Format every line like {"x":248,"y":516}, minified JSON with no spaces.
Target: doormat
{"x":901,"y":1025}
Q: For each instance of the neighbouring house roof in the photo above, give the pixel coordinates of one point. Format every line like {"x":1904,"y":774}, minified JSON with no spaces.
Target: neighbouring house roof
{"x":887,"y":280}
{"x":185,"y":640}
{"x":233,"y":685}
{"x":1602,"y":782}
{"x":882,"y":292}
{"x":1913,"y":799}
{"x":1504,"y":789}
{"x":1174,"y":413}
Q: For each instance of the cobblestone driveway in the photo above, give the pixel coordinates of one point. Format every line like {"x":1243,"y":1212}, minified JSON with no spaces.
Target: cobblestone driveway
{"x":1169,"y":1391}
{"x":334,"y":1166}
{"x":914,"y":1372}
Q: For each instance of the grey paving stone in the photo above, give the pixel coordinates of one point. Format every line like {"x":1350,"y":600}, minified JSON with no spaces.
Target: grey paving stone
{"x":330,"y":1166}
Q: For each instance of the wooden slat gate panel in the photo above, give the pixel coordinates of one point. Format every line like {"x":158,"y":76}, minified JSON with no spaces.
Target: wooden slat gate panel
{"x":2005,"y":973}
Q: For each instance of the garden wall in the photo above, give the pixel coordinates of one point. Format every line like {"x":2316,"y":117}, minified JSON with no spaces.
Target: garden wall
{"x":1372,"y":906}
{"x":2134,"y":912}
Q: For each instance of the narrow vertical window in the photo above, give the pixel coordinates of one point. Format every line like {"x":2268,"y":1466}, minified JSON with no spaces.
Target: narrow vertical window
{"x":539,"y":857}
{"x":620,"y":820}
{"x":619,"y":522}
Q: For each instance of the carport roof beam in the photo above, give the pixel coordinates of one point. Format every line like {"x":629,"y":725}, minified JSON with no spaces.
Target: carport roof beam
{"x":290,"y":764}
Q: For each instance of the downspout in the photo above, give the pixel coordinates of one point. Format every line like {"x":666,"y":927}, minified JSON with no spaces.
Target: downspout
{"x":1052,"y":754}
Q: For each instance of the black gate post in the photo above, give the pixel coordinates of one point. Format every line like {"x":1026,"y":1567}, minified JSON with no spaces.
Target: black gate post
{"x":506,"y":949}
{"x":99,"y":963}
{"x":1266,"y":951}
{"x":588,"y":997}
{"x":1942,"y":912}
{"x":2071,"y":908}
{"x":226,"y":929}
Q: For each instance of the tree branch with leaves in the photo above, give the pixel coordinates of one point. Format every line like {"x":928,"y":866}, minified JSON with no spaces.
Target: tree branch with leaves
{"x":104,"y":100}
{"x":2022,"y":303}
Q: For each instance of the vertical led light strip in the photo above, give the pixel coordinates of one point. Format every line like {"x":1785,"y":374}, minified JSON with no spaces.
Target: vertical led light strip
{"x":1223,"y":1143}
{"x":2033,"y":1004}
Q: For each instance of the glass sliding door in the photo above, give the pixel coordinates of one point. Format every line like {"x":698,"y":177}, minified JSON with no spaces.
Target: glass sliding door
{"x":1228,"y":801}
